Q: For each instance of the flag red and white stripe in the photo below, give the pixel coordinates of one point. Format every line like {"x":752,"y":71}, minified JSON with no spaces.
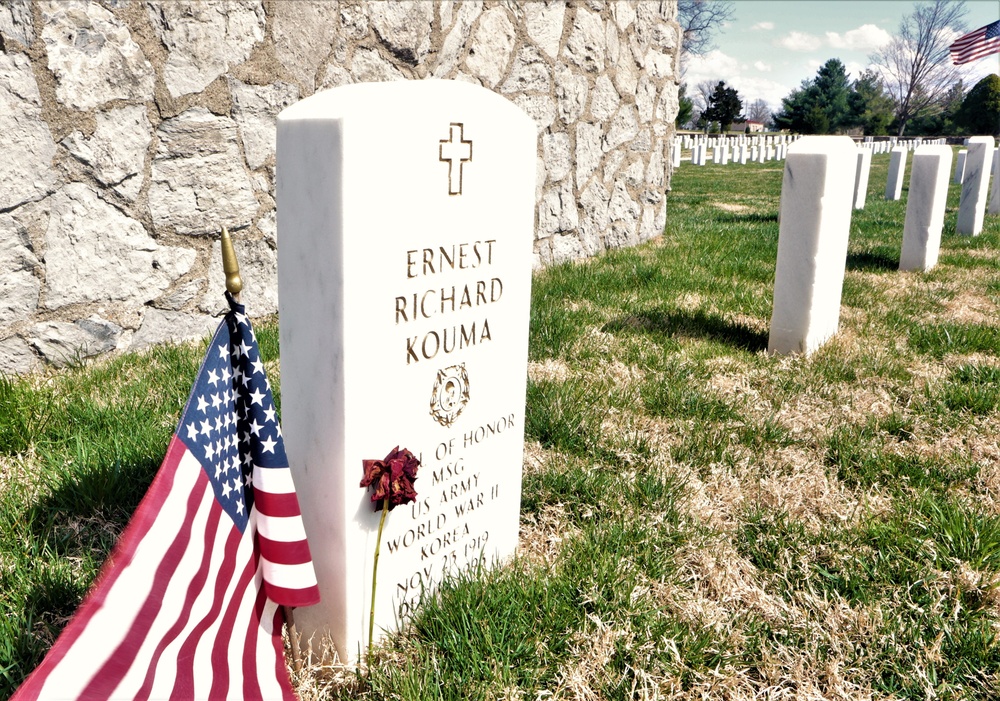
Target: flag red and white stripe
{"x":188,"y":606}
{"x":975,"y":45}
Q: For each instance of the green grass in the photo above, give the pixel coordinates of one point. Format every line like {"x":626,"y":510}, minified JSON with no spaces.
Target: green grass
{"x":699,"y":519}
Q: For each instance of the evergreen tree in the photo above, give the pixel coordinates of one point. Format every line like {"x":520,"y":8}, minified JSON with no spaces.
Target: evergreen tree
{"x":724,"y":106}
{"x":871,"y":106}
{"x":822,"y":105}
{"x":980,"y":111}
{"x":685,"y":107}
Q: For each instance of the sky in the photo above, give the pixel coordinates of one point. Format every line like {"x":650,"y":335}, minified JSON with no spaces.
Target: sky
{"x":769,"y":47}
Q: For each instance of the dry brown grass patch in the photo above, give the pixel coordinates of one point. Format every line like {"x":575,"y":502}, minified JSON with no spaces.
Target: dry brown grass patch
{"x":551,"y":369}
{"x":543,"y":535}
{"x":732,"y":207}
{"x":969,"y":308}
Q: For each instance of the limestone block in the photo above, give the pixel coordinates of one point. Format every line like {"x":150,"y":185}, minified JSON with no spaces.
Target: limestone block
{"x":612,"y":43}
{"x":17,"y":357}
{"x":604,"y":100}
{"x":897,"y":169}
{"x":92,"y":55}
{"x":204,"y":39}
{"x":491,"y":47}
{"x":816,"y":194}
{"x":594,"y":222}
{"x":544,"y":22}
{"x":15,"y":22}
{"x":404,"y":27}
{"x":588,"y":150}
{"x":542,"y":109}
{"x":353,"y":20}
{"x":268,"y":226}
{"x":557,"y":212}
{"x":116,"y":151}
{"x":529,"y":73}
{"x":634,"y":173}
{"x":643,"y":141}
{"x":557,"y":155}
{"x":655,"y":171}
{"x":565,"y":247}
{"x":303,"y":33}
{"x":612,"y":162}
{"x":623,"y":14}
{"x":571,"y":93}
{"x":25,"y":139}
{"x":666,"y":110}
{"x":159,"y":326}
{"x":255,"y":109}
{"x":925,"y":205}
{"x":94,"y":253}
{"x":63,"y":343}
{"x":650,"y":226}
{"x":972,"y":203}
{"x":259,"y":270}
{"x":585,"y":45}
{"x":626,"y":77}
{"x":623,"y":212}
{"x":335,"y":76}
{"x":451,"y":50}
{"x":181,"y":295}
{"x":624,"y":127}
{"x":861,"y":177}
{"x":199,"y":182}
{"x":664,"y":36}
{"x":18,"y":285}
{"x":658,"y":65}
{"x":645,"y":99}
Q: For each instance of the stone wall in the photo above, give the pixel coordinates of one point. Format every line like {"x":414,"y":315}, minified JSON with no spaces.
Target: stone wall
{"x":132,"y":130}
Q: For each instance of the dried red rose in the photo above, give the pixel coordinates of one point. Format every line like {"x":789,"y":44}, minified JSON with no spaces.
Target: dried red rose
{"x":392,"y":477}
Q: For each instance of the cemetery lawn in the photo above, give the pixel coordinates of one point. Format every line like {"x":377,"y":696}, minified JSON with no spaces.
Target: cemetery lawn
{"x":699,"y":519}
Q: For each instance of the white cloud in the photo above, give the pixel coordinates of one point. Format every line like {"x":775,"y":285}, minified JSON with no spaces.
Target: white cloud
{"x":799,"y":41}
{"x":867,"y":37}
{"x":763,"y":25}
{"x":761,"y":66}
{"x":716,"y":66}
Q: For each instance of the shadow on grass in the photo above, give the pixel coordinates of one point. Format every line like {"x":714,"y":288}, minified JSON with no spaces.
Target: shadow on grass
{"x":872,"y":262}
{"x":750,"y":218}
{"x":685,"y":323}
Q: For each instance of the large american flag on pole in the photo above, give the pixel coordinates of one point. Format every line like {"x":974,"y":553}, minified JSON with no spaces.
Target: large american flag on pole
{"x":975,"y":45}
{"x":188,"y":606}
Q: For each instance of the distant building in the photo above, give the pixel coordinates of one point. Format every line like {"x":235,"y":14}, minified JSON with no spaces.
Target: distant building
{"x":754,"y":127}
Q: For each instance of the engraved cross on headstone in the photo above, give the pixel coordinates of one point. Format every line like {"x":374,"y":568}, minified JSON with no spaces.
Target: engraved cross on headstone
{"x":455,"y":151}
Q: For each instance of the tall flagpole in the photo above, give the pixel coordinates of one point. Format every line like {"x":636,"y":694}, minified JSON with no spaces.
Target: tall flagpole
{"x":234,"y":285}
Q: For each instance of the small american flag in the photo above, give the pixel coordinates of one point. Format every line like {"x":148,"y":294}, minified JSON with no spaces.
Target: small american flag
{"x":975,"y":45}
{"x":188,"y":606}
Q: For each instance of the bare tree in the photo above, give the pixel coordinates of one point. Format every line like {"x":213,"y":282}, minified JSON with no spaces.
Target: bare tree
{"x":915,"y":66}
{"x":758,"y":111}
{"x":699,"y":97}
{"x":700,"y":20}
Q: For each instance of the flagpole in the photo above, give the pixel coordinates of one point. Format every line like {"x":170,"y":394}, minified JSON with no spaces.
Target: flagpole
{"x":234,"y":285}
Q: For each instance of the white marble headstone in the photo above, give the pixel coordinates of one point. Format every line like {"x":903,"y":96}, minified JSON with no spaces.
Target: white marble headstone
{"x":816,"y":194}
{"x":925,"y":205}
{"x":975,"y":185}
{"x":897,"y":169}
{"x":405,"y":227}
{"x":861,"y":177}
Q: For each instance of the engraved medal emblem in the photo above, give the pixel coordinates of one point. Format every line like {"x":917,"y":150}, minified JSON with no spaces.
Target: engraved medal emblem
{"x":450,"y":394}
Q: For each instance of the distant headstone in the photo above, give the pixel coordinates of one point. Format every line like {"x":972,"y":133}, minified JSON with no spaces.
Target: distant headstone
{"x":861,"y":177}
{"x":815,"y":218}
{"x":925,"y":205}
{"x":994,"y":206}
{"x":960,"y":167}
{"x":404,"y":274}
{"x":972,"y":204}
{"x":897,"y":169}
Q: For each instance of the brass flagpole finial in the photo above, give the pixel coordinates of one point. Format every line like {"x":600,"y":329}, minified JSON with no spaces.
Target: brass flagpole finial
{"x":234,"y":283}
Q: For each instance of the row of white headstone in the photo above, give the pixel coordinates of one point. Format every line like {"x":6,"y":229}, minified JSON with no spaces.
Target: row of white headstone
{"x":823,"y":175}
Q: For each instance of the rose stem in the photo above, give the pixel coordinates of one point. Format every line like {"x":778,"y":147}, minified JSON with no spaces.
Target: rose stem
{"x":378,"y":544}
